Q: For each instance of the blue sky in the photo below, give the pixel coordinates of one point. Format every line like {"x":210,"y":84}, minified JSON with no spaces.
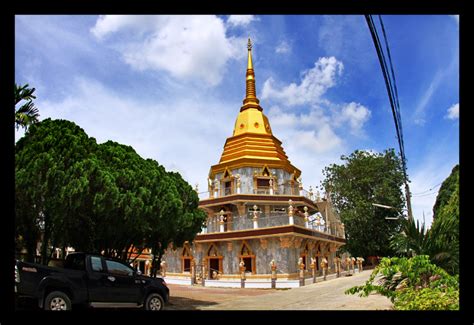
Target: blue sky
{"x":172,"y":86}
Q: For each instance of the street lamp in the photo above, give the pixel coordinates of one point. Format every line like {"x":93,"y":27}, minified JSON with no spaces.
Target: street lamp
{"x":390,"y":207}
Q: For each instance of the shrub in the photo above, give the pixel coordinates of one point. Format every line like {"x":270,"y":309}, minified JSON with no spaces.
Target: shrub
{"x":412,"y":284}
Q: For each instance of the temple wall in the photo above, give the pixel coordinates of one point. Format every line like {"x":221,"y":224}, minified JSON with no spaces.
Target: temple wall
{"x":285,"y":254}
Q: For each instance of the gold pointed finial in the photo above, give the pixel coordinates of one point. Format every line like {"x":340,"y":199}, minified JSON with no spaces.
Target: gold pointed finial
{"x":251,"y":100}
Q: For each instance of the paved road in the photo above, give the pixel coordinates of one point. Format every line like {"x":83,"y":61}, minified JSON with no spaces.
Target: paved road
{"x":326,"y":295}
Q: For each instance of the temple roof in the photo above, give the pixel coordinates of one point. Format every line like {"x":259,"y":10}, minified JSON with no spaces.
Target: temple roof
{"x":252,"y":143}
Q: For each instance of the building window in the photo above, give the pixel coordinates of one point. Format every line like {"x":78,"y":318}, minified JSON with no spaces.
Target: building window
{"x":248,"y":257}
{"x":186,"y":259}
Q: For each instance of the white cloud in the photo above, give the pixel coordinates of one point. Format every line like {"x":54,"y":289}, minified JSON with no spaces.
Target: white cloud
{"x":193,"y":48}
{"x":355,"y":115}
{"x":173,"y":131}
{"x":310,"y":132}
{"x":240,"y":20}
{"x":283,"y":47}
{"x":426,"y":97}
{"x":453,"y":112}
{"x":314,"y":84}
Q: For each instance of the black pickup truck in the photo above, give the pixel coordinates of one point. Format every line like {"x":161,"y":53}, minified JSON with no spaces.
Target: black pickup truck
{"x":89,"y":280}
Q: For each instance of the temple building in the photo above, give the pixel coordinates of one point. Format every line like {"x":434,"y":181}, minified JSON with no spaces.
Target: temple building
{"x":257,"y":208}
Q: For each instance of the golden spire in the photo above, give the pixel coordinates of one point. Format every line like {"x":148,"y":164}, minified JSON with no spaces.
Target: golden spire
{"x":251,"y":100}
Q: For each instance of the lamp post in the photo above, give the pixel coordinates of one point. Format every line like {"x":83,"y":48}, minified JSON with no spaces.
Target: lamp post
{"x":390,"y":207}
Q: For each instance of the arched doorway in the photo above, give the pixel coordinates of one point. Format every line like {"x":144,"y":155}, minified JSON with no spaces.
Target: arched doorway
{"x":304,"y":255}
{"x":248,"y":257}
{"x":186,"y":258}
{"x":214,"y":261}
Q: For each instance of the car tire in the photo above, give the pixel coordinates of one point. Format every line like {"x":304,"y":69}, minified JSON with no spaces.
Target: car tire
{"x":57,"y":300}
{"x":154,"y":302}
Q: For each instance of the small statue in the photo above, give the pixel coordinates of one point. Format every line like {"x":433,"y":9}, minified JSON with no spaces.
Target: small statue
{"x":324,"y":263}
{"x":273,"y":265}
{"x":300,"y":263}
{"x":163,"y":268}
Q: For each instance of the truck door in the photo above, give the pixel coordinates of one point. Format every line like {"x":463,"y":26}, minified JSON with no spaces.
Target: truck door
{"x":97,"y":282}
{"x":122,"y":285}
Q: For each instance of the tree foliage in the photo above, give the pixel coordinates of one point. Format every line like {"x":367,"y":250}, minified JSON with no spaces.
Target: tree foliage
{"x":448,"y":187}
{"x":100,"y":198}
{"x":26,"y":114}
{"x":363,"y":179}
{"x":441,"y":241}
{"x":412,"y":284}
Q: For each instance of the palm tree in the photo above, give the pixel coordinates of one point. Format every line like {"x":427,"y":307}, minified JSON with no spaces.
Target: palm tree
{"x":27,"y":114}
{"x":439,"y":242}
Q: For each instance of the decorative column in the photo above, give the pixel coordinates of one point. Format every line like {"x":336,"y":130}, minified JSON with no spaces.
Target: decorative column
{"x":318,"y":196}
{"x":306,"y":220}
{"x":238,"y":183}
{"x":343,"y":230}
{"x":311,"y":193}
{"x":290,"y":212}
{"x":255,"y":217}
{"x":210,"y":188}
{"x":348,"y":264}
{"x":204,"y":274}
{"x":216,"y":188}
{"x":221,"y":221}
{"x":337,"y":265}
{"x":271,"y":186}
{"x":352,"y":264}
{"x":163,"y":266}
{"x":313,"y":268}
{"x":300,"y":186}
{"x":359,"y":263}
{"x":193,"y":271}
{"x":273,"y":267}
{"x":324,"y":267}
{"x":242,"y":273}
{"x":301,"y":271}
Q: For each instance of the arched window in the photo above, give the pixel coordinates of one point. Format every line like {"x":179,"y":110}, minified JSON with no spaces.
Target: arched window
{"x":248,"y":257}
{"x":214,"y":261}
{"x":304,"y":254}
{"x":226,"y":183}
{"x":186,"y":258}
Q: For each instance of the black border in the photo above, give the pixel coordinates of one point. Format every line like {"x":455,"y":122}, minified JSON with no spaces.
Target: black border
{"x":76,"y":7}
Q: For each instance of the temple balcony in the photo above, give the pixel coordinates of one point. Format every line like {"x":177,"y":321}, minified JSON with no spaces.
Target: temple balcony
{"x":281,"y":190}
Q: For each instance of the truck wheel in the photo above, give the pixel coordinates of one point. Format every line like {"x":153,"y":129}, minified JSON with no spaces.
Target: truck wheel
{"x":154,"y":302}
{"x":57,"y":300}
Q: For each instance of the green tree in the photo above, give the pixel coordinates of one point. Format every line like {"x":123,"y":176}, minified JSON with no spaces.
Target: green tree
{"x":26,"y":114}
{"x":42,"y":160}
{"x":363,"y":179}
{"x":448,"y":187}
{"x":441,"y":241}
{"x":103,"y":198}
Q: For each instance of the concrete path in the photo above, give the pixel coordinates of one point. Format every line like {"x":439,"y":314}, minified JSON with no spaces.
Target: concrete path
{"x":325,"y":295}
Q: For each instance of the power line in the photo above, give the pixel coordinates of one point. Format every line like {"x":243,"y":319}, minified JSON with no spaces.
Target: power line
{"x":430,"y":189}
{"x":392,"y":95}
